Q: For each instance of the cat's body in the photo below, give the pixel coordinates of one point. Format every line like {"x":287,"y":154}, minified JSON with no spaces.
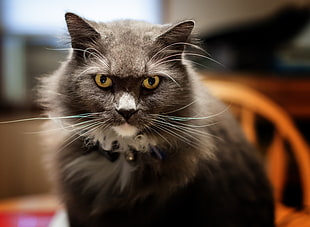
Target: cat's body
{"x":144,"y":143}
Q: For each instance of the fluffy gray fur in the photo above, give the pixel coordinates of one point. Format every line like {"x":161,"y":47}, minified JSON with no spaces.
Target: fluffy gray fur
{"x":209,"y":176}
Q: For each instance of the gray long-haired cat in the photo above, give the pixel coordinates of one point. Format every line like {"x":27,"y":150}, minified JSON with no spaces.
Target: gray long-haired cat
{"x":140,"y":142}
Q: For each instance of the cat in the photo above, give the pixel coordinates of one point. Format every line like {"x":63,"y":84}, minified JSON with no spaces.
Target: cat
{"x":139,"y":141}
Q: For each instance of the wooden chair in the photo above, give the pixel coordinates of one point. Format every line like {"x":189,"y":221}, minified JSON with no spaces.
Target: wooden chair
{"x":252,"y":104}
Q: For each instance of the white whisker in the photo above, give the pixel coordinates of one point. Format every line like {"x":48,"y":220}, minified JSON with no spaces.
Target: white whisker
{"x":166,"y":59}
{"x":44,"y":118}
{"x":174,"y":134}
{"x":69,"y":127}
{"x":176,"y":44}
{"x":102,"y":59}
{"x":177,"y":118}
{"x":181,"y":108}
{"x":182,"y":128}
{"x":88,"y":69}
{"x":167,"y":75}
{"x":154,"y":129}
{"x":190,"y":130}
{"x":86,"y":130}
{"x":162,"y":60}
{"x":205,"y":57}
{"x":59,"y":49}
{"x":195,"y":126}
{"x":184,"y":136}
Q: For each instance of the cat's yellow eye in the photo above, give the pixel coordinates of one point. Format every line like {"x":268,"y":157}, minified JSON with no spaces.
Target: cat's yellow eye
{"x":103,"y":81}
{"x":151,"y":82}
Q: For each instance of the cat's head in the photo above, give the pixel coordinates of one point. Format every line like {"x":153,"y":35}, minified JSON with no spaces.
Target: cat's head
{"x":124,"y":73}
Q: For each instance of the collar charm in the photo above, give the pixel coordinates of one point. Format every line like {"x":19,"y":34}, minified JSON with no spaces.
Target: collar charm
{"x":111,"y":155}
{"x":131,"y":155}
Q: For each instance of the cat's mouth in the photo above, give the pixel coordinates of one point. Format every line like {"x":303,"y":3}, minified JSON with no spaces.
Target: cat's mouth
{"x":125,"y":130}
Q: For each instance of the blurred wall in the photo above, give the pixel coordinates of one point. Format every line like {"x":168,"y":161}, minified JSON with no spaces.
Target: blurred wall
{"x":214,"y":14}
{"x":22,"y":169}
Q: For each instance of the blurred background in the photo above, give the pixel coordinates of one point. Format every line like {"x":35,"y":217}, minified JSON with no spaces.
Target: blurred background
{"x":264,"y":44}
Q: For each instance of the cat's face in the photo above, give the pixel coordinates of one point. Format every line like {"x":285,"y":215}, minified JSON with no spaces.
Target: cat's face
{"x":125,"y":73}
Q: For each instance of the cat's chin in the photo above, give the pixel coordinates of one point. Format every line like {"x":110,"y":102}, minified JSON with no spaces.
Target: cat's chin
{"x":125,"y":130}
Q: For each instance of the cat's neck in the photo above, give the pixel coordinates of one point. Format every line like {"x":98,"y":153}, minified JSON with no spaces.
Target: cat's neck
{"x":111,"y":145}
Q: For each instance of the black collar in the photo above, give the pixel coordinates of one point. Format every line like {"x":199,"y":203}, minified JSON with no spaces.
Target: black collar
{"x":89,"y":147}
{"x":112,"y":155}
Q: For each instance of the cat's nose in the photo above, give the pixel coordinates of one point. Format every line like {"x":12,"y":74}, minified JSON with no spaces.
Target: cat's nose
{"x":126,"y":105}
{"x":126,"y":113}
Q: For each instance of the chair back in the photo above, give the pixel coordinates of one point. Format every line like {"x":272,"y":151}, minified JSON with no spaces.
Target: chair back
{"x":251,"y":105}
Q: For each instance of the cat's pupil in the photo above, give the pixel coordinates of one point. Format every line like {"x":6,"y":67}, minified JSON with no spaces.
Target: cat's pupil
{"x":151,"y":81}
{"x":103,"y":79}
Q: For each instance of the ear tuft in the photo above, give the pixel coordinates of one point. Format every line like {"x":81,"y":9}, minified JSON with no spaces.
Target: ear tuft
{"x":178,"y":33}
{"x":81,"y":32}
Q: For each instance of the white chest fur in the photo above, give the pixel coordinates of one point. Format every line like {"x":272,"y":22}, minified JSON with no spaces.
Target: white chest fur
{"x":102,"y":174}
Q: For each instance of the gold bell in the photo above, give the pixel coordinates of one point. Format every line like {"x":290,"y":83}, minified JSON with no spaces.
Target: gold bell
{"x":130,"y":156}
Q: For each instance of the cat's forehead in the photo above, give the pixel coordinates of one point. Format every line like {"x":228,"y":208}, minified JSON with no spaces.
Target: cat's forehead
{"x":127,"y":45}
{"x":128,"y":32}
{"x":139,"y":29}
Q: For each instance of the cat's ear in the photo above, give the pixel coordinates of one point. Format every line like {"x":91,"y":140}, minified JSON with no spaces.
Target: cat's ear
{"x":81,"y":32}
{"x":179,"y":33}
